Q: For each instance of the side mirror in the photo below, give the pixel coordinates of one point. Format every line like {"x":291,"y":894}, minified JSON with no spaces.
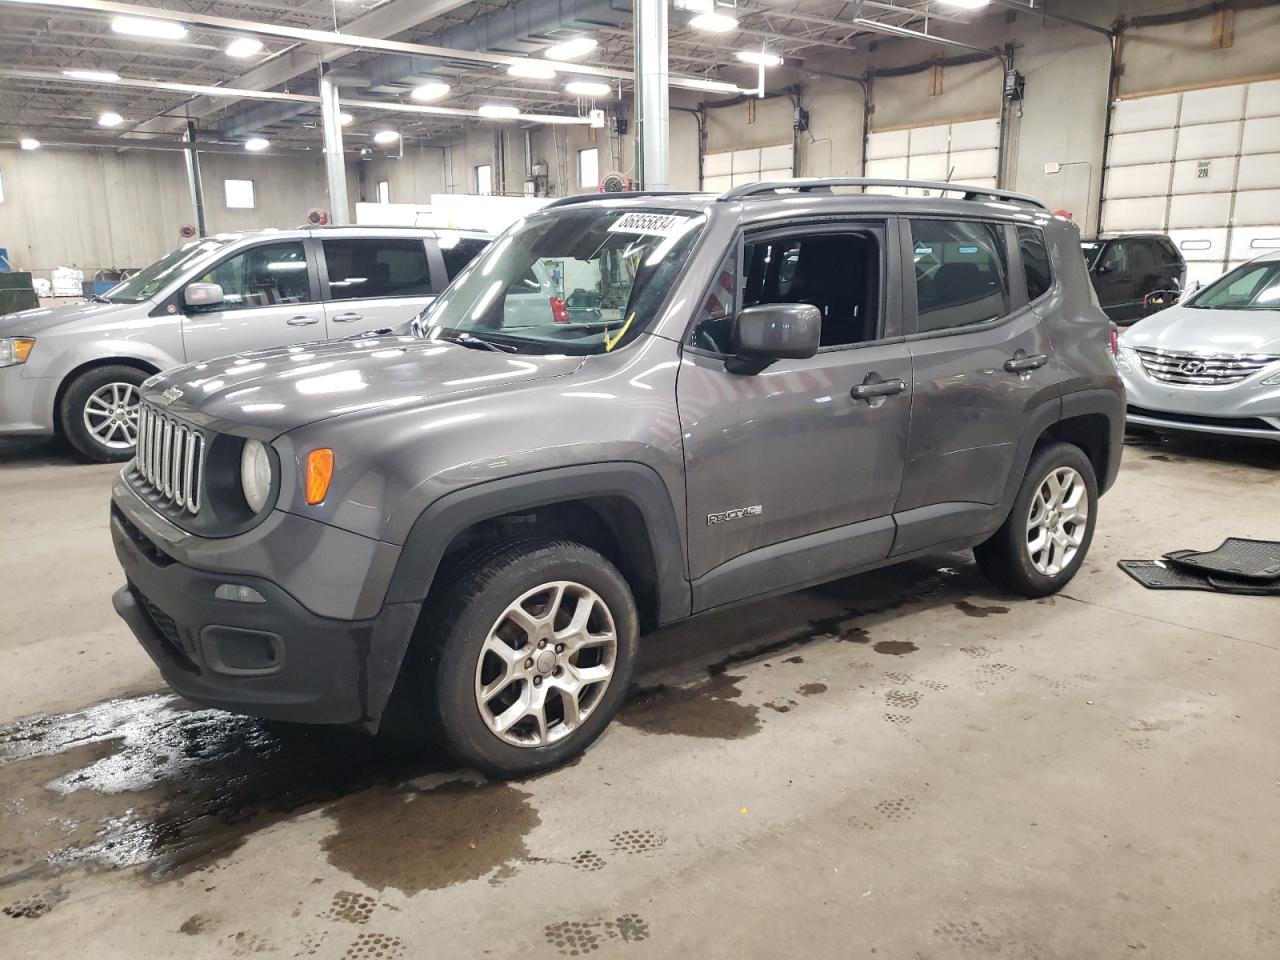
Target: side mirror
{"x":774,"y":331}
{"x":201,"y":295}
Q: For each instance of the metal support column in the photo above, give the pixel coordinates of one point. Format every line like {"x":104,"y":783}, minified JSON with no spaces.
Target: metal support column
{"x":335,"y":167}
{"x":653,"y":119}
{"x":194,"y":182}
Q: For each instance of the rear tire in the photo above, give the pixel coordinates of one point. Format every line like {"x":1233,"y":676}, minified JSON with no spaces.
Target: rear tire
{"x":99,"y":412}
{"x":1047,"y":534}
{"x":531,"y":650}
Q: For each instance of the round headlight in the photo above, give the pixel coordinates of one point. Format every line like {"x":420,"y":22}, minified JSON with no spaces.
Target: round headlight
{"x":255,"y":474}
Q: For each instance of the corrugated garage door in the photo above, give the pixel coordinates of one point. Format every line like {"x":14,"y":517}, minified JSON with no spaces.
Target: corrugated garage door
{"x":1202,"y":166}
{"x":732,"y":168}
{"x":966,"y":152}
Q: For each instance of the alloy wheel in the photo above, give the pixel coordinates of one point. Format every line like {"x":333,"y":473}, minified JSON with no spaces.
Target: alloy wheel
{"x":546,"y":663}
{"x":1057,"y":521}
{"x":111,"y":415}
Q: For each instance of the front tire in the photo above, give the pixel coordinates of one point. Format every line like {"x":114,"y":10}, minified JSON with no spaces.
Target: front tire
{"x":531,"y":657}
{"x":1047,"y":534}
{"x":99,"y":412}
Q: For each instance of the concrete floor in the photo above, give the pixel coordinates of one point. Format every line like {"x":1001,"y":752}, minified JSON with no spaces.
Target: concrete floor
{"x":904,"y":764}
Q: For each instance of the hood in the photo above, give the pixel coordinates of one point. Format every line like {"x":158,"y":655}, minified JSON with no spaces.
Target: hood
{"x":1186,"y":330}
{"x":31,"y":323}
{"x":266,"y":393}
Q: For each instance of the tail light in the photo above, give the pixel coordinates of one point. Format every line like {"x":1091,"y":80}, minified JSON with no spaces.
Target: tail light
{"x":559,"y":312}
{"x":1115,"y":341}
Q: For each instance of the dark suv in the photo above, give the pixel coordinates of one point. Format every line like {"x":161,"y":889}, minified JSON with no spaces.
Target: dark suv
{"x":1127,"y":270}
{"x":779,"y":386}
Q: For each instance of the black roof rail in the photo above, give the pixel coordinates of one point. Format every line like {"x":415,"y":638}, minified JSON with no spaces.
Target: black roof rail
{"x":810,"y":184}
{"x":622,"y":195}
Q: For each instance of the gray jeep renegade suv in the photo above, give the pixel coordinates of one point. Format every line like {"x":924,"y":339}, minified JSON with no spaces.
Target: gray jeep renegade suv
{"x":722,"y":398}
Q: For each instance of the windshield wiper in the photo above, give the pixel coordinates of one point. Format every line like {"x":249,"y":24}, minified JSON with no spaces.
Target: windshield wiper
{"x":98,"y":298}
{"x":476,"y":343}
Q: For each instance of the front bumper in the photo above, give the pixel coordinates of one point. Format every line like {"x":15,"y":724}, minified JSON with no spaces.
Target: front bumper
{"x":1245,"y":409}
{"x":26,"y":403}
{"x":273,"y":659}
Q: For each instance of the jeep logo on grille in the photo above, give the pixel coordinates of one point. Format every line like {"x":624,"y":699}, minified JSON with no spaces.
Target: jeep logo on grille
{"x":1194,"y":367}
{"x":172,"y":394}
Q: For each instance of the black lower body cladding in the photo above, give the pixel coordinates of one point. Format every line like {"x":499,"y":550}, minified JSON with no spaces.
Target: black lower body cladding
{"x":271,"y":658}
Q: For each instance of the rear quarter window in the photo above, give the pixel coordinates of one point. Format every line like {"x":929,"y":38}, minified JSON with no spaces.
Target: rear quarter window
{"x":1035,"y":262}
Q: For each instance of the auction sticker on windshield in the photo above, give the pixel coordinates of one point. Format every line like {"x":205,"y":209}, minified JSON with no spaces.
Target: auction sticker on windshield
{"x":648,"y":224}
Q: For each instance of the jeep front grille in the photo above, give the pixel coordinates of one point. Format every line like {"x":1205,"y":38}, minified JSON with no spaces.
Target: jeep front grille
{"x":170,"y":458}
{"x":1201,"y":369}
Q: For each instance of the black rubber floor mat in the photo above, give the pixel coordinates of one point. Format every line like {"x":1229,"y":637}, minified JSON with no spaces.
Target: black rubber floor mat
{"x":1249,"y":588}
{"x":1247,"y":559}
{"x":1161,"y":575}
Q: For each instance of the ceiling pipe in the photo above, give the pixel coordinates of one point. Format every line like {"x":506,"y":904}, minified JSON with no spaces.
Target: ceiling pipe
{"x":1031,"y":8}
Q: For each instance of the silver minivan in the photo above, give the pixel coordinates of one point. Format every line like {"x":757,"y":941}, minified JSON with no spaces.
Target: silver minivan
{"x":75,"y":369}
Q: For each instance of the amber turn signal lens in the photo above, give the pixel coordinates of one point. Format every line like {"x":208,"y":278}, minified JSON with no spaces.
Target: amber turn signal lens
{"x":319,"y":473}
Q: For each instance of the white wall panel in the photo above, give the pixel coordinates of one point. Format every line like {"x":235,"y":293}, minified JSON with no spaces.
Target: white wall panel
{"x":1212,"y":105}
{"x":1201,"y":244}
{"x":1259,"y":171}
{"x":1147,"y":180}
{"x":1204,"y":176}
{"x":931,"y":166}
{"x":1199,"y":210}
{"x":893,"y":168}
{"x":777,"y":158}
{"x":930,"y":139}
{"x":1206,"y":140}
{"x":1152,"y":146}
{"x":1250,"y":242}
{"x":1146,"y":113}
{"x":1263,"y":99}
{"x":1123,"y":216}
{"x":717,"y":164}
{"x":781,"y":174}
{"x":1204,"y":273}
{"x":1261,"y":135}
{"x":894,"y":143}
{"x":975,"y":135}
{"x":716,"y":184}
{"x":1257,"y":208}
{"x":968,"y":164}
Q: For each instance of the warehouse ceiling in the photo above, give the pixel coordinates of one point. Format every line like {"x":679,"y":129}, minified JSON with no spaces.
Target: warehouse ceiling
{"x":50,"y":39}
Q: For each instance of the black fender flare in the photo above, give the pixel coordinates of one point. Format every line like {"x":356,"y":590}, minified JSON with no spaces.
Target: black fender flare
{"x":639,"y":484}
{"x":1110,"y":404}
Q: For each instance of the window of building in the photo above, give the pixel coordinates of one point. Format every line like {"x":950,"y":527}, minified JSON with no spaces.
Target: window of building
{"x":839,"y":273}
{"x":589,"y":168}
{"x":1,"y":186}
{"x":1035,"y":262}
{"x":961,"y":273}
{"x":270,"y":275}
{"x":384,"y":191}
{"x":484,"y":179}
{"x":458,"y":252}
{"x":390,"y":267}
{"x":238,"y":194}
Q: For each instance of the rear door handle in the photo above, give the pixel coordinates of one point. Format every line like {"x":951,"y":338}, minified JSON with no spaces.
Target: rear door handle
{"x":303,"y":321}
{"x":873,"y":387}
{"x":1021,"y":363}
{"x":347,"y":317}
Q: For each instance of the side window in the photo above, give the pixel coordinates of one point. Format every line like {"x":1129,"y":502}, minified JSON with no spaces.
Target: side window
{"x":270,"y":275}
{"x":364,"y":268}
{"x":1035,"y":262}
{"x":961,"y":272}
{"x":1168,"y":252}
{"x":458,"y":252}
{"x":1116,"y":257}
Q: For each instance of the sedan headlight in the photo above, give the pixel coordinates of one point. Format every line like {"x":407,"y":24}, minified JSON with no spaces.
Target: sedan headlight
{"x":1272,"y":381}
{"x":255,"y":474}
{"x":1122,"y":360}
{"x":15,"y":350}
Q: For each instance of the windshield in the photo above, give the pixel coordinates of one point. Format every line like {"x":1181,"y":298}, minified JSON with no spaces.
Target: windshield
{"x":149,"y":280}
{"x":574,"y":280}
{"x":1254,"y":286}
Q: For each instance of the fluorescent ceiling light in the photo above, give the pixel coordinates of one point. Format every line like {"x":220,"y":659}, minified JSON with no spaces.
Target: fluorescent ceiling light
{"x":430,"y":91}
{"x":386,"y":136}
{"x":698,"y":83}
{"x":93,"y":76}
{"x":256,"y":143}
{"x":29,"y":143}
{"x":714,"y":22}
{"x":760,"y":58}
{"x":570,"y":49}
{"x":532,"y":70}
{"x":146,"y":27}
{"x":109,"y":118}
{"x":965,"y":4}
{"x":346,"y":119}
{"x":499,"y":111}
{"x":588,"y":88}
{"x":242,"y":47}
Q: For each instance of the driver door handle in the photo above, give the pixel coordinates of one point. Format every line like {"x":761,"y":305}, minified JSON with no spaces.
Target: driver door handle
{"x":1021,"y":363}
{"x":347,"y":317}
{"x":870,"y":388}
{"x":303,"y":321}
